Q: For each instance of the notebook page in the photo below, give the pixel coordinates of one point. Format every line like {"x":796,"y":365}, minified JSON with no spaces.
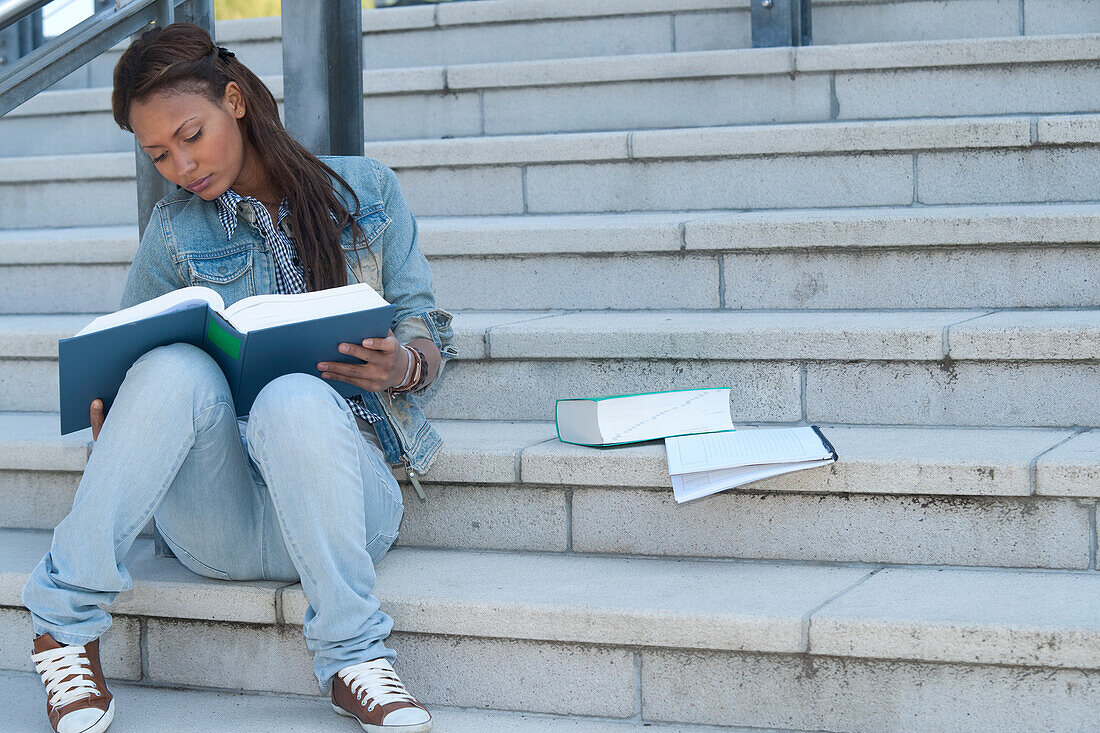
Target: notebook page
{"x":692,"y":453}
{"x":696,"y":485}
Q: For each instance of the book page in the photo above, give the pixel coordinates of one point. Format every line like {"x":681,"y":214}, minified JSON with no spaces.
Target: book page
{"x":646,"y":417}
{"x":690,"y":486}
{"x":167,"y":303}
{"x":693,"y":453}
{"x":267,"y":311}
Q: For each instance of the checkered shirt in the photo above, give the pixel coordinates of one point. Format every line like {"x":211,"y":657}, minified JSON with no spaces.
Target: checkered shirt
{"x":289,"y":272}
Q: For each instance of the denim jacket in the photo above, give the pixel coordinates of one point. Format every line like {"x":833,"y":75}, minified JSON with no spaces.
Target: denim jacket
{"x":186,"y":244}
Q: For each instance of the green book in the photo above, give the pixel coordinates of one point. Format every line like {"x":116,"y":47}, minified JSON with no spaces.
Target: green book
{"x":621,"y":419}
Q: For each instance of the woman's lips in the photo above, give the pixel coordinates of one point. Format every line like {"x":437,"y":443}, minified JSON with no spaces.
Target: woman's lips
{"x":200,"y":184}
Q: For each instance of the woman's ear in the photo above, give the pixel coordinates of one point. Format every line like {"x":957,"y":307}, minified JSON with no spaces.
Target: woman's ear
{"x":233,"y":101}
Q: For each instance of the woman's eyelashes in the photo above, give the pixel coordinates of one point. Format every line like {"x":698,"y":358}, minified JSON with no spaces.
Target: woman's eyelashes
{"x":194,"y":138}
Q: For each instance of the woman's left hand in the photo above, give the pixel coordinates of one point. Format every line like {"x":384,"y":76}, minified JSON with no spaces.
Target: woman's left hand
{"x":384,"y":363}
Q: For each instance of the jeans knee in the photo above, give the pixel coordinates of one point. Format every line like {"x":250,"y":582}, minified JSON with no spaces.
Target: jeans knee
{"x":178,"y":367}
{"x":294,"y":399}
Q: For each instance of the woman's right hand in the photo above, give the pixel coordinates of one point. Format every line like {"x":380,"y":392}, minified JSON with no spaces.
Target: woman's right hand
{"x":97,"y":418}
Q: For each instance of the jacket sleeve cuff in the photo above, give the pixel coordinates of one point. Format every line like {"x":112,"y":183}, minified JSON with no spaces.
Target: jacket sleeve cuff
{"x":435,"y":325}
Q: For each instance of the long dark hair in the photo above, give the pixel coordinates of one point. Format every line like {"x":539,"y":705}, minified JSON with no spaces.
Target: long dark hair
{"x":182,"y":56}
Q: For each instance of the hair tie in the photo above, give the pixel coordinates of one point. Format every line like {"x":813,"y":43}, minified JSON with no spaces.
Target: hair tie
{"x":225,"y":53}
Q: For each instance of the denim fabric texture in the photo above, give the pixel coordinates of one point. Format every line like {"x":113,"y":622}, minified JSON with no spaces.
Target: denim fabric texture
{"x":185,"y":244}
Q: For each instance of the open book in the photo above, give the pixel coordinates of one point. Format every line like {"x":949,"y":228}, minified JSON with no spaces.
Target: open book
{"x":705,"y":464}
{"x":254,"y":340}
{"x":605,"y":421}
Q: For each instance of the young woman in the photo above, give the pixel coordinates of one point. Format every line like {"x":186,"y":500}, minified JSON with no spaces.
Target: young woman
{"x":301,"y":491}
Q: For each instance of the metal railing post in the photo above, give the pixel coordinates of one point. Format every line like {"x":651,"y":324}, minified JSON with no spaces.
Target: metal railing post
{"x":780,"y":23}
{"x":323,"y":75}
{"x":151,"y":185}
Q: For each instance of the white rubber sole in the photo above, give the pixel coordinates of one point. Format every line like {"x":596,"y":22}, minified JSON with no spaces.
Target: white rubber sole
{"x":101,"y":724}
{"x":418,"y":728}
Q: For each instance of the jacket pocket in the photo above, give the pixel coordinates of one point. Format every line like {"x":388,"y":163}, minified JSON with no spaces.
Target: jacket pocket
{"x":220,"y":270}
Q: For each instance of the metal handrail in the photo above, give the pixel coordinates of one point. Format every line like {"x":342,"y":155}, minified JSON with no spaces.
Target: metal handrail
{"x":13,"y":11}
{"x":77,"y":46}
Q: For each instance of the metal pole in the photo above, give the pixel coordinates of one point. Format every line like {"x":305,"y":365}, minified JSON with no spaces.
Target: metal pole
{"x":323,"y":75}
{"x":780,"y":23}
{"x":151,"y":185}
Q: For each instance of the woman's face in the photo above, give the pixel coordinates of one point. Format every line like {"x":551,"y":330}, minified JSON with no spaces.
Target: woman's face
{"x":192,"y":141}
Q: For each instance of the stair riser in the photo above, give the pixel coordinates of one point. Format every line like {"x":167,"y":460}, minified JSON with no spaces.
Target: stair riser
{"x":994,"y":393}
{"x":797,"y":181}
{"x":913,"y":278}
{"x":1051,"y":394}
{"x":886,"y":94}
{"x":89,"y":202}
{"x":1034,"y":532}
{"x":809,"y":692}
{"x":272,"y":658}
{"x":1009,"y":277}
{"x":66,"y":288}
{"x":1069,"y":87}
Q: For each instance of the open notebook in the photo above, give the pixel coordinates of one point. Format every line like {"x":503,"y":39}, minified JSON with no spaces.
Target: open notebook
{"x":705,"y":464}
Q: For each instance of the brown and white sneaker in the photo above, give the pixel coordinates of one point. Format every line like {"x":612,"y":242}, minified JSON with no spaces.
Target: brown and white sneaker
{"x":77,"y":699}
{"x":372,"y":694}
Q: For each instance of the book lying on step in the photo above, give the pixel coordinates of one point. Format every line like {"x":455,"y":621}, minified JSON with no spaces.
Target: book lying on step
{"x":704,"y":464}
{"x":254,"y":341}
{"x":602,"y":421}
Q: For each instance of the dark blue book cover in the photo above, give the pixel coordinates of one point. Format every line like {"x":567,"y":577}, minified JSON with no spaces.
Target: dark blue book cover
{"x":94,"y":365}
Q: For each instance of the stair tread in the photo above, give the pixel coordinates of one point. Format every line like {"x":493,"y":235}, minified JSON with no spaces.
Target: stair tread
{"x":141,"y":708}
{"x":875,"y":459}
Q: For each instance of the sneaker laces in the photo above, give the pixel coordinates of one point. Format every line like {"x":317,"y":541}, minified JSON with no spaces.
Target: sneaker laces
{"x":67,"y":675}
{"x":377,"y":681}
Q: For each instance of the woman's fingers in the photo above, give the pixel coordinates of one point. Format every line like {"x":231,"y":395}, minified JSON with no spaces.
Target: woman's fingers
{"x":97,"y":418}
{"x":378,"y":357}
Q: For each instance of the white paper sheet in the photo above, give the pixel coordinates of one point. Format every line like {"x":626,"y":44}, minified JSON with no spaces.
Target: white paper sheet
{"x":705,"y":464}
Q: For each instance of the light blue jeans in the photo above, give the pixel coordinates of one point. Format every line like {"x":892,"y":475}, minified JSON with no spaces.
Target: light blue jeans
{"x":301,"y":495}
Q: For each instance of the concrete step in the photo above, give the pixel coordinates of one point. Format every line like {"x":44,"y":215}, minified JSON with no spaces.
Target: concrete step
{"x":140,"y":708}
{"x":997,"y":256}
{"x":767,"y":644}
{"x":1050,"y":159}
{"x":1041,"y":75}
{"x":503,"y":30}
{"x":982,"y":368}
{"x":1005,"y":497}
